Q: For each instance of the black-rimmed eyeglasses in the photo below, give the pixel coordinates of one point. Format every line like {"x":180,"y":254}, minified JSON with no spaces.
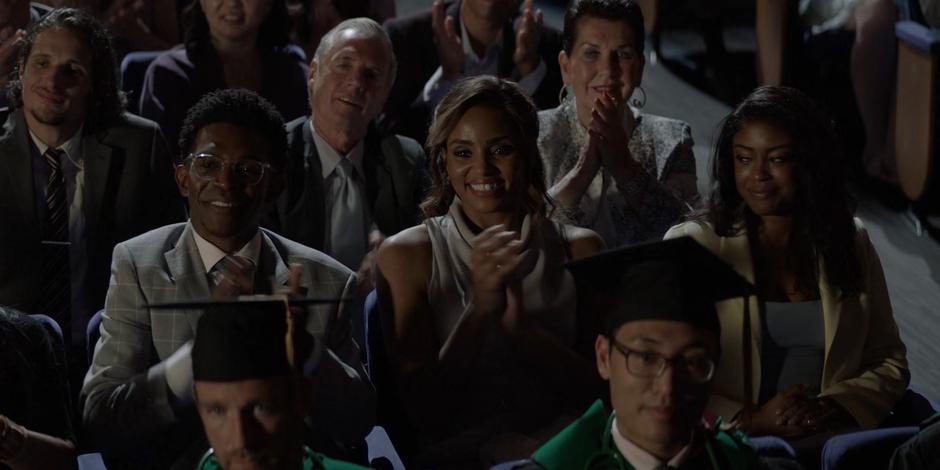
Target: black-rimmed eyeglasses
{"x":207,"y":167}
{"x":697,"y":369}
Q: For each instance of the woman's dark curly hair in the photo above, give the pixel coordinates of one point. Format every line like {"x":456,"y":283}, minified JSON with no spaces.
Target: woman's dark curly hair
{"x":495,"y":93}
{"x":107,"y":101}
{"x":240,"y":107}
{"x":274,"y":32}
{"x":823,"y":224}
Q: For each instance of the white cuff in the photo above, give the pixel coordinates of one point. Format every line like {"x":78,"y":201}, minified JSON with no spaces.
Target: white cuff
{"x":436,"y":88}
{"x":179,"y":373}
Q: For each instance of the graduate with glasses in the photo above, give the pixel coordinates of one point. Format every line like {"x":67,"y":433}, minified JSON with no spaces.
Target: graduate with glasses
{"x":658,"y":349}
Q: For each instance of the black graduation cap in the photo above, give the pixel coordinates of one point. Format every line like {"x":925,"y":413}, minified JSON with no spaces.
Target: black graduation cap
{"x":676,"y":279}
{"x":248,"y":337}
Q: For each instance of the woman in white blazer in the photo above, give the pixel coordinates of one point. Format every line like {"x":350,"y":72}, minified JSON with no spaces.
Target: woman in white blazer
{"x":824,"y":350}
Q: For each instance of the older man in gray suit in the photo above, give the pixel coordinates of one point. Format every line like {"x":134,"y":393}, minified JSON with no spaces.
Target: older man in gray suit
{"x":137,"y":396}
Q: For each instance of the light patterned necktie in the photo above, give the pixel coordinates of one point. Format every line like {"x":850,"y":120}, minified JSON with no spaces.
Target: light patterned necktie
{"x":232,"y":276}
{"x":347,"y":217}
{"x":57,"y":298}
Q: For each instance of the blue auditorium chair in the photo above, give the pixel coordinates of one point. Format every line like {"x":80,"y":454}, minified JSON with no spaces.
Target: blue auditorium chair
{"x":92,"y":333}
{"x":133,"y":68}
{"x":873,"y":448}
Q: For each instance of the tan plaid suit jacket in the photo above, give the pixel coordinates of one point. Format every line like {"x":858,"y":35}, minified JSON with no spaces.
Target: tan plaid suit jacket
{"x":128,"y":409}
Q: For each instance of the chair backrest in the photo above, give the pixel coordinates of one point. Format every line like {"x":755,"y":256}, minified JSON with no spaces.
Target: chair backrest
{"x":52,"y":327}
{"x":133,"y":68}
{"x":92,"y":333}
{"x":864,"y":449}
{"x":390,"y":413}
{"x":382,"y":453}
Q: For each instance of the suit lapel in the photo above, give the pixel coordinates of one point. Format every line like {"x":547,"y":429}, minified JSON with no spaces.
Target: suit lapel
{"x":383,"y":200}
{"x":187,"y":273}
{"x":314,"y":187}
{"x":272,"y":261}
{"x":832,"y":312}
{"x":737,"y":252}
{"x":17,"y":157}
{"x":102,"y":174}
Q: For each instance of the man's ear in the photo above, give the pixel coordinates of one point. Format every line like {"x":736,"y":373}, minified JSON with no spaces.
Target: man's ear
{"x":312,"y":72}
{"x":602,"y":356}
{"x":182,"y":179}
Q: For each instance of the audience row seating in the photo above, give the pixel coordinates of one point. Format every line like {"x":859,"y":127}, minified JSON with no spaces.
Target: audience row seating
{"x":916,"y":123}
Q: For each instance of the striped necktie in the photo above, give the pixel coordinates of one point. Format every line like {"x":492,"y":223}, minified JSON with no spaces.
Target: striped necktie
{"x":232,"y":276}
{"x":55,"y":254}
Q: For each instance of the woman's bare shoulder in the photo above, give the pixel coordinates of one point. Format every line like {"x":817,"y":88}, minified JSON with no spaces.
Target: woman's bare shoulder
{"x":406,"y":250}
{"x":582,"y":242}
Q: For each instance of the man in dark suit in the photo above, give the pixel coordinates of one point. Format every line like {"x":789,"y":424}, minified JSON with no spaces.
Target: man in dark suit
{"x":137,"y":396}
{"x":347,"y":185}
{"x":463,"y":38}
{"x":78,"y":175}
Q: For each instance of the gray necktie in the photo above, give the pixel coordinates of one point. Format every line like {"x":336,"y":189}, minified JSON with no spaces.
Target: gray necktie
{"x":347,"y":217}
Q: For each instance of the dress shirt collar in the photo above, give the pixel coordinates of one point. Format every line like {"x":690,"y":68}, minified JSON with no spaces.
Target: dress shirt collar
{"x":491,"y":52}
{"x":329,"y":157}
{"x":641,"y":459}
{"x":71,"y":147}
{"x":211,"y":254}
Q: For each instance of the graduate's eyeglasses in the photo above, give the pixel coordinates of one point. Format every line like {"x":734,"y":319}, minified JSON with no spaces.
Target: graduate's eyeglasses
{"x":696,"y":369}
{"x":208,"y":167}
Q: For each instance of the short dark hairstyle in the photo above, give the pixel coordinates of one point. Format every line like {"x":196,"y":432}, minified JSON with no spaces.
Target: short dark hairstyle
{"x":242,"y":108}
{"x":496,"y":93}
{"x":274,"y":32}
{"x":108,"y":101}
{"x":615,"y":10}
{"x":824,"y":226}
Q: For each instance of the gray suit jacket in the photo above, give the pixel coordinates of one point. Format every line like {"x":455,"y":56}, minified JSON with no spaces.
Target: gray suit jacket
{"x":395,"y":175}
{"x":129,"y":189}
{"x":128,"y":408}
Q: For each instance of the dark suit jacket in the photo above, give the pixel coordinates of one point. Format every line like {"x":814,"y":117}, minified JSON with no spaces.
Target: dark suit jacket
{"x":176,"y":80}
{"x":395,"y":175}
{"x":413,"y":41}
{"x":129,"y":189}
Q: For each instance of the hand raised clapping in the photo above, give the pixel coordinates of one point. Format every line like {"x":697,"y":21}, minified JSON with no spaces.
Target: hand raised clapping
{"x":496,"y":255}
{"x":449,"y":48}
{"x":608,"y":136}
{"x":526,"y":56}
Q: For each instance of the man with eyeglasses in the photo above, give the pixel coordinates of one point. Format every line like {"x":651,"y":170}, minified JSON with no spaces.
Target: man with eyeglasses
{"x":658,"y":349}
{"x":137,"y":397}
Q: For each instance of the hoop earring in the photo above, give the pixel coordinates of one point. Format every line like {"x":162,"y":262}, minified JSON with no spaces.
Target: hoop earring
{"x":636,"y":102}
{"x":562,"y":93}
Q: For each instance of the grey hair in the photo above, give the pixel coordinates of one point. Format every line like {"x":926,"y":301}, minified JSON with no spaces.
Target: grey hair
{"x":366,"y":27}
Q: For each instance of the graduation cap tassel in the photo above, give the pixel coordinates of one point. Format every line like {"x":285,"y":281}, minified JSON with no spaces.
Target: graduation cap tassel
{"x":289,"y":336}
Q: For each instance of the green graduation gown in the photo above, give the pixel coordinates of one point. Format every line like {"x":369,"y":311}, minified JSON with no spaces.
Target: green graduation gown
{"x":312,"y":461}
{"x":587,"y":444}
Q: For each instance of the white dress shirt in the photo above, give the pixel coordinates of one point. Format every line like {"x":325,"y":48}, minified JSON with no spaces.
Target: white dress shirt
{"x":641,"y":459}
